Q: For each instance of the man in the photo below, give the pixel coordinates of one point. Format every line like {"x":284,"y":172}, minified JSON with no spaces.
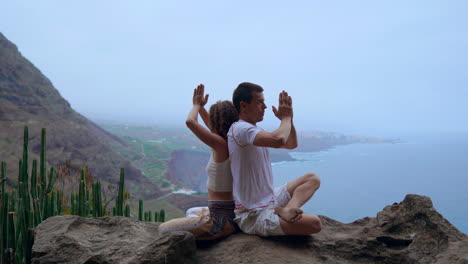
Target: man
{"x":261,"y":209}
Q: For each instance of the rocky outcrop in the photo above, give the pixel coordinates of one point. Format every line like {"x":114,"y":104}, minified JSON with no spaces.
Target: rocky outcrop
{"x":74,"y":239}
{"x":407,"y":232}
{"x":27,"y":97}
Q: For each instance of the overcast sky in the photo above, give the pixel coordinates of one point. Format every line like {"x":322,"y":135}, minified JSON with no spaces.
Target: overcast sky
{"x":368,"y":67}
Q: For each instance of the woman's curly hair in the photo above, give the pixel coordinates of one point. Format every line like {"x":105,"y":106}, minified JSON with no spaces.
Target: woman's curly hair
{"x":222,"y":115}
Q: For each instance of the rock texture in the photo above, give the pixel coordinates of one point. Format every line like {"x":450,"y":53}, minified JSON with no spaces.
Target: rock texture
{"x":27,"y":97}
{"x":407,"y":232}
{"x":73,"y":239}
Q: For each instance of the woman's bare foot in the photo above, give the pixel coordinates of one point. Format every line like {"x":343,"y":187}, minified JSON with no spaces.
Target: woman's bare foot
{"x":289,"y":214}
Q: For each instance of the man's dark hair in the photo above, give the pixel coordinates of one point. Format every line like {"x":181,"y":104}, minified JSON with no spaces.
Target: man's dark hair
{"x":243,"y":92}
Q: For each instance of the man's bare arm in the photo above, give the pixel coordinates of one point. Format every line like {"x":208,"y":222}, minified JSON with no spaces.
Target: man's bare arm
{"x":274,"y":139}
{"x":291,"y":142}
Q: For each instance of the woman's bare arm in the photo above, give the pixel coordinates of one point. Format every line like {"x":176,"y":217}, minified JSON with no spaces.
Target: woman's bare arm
{"x":213,"y":140}
{"x":205,"y":117}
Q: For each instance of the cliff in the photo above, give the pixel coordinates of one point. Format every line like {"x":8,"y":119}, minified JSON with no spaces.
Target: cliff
{"x":186,"y":168}
{"x":408,"y":232}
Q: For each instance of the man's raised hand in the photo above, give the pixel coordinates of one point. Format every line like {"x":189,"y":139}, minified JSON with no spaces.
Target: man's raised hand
{"x":199,"y":97}
{"x":284,"y":106}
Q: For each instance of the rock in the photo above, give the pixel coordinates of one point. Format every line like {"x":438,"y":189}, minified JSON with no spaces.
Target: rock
{"x":408,"y":232}
{"x":74,"y":239}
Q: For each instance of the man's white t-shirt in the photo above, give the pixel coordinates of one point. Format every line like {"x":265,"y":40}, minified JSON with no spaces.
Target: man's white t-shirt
{"x":250,"y":167}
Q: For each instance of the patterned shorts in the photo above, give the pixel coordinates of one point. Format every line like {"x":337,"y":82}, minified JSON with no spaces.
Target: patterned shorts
{"x":209,"y":224}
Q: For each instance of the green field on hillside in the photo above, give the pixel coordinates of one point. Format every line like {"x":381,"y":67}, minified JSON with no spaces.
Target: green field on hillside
{"x":149,"y":148}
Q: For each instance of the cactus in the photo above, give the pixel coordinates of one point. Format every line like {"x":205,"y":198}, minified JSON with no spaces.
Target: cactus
{"x":87,"y":203}
{"x":3,"y":225}
{"x":127,"y":210}
{"x":35,"y":199}
{"x":120,"y":196}
{"x":82,"y":195}
{"x":3,"y":177}
{"x":51,"y":180}
{"x":43,"y":159}
{"x":96,"y":204}
{"x":97,"y":200}
{"x":10,"y":236}
{"x":24,"y":168}
{"x":53,"y":203}
{"x":34,"y":194}
{"x":101,"y":209}
{"x":162,"y":215}
{"x":140,"y":210}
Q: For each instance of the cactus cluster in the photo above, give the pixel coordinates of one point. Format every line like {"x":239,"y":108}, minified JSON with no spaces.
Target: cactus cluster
{"x":35,"y":199}
{"x":87,"y":202}
{"x":148,"y":216}
{"x":25,"y":208}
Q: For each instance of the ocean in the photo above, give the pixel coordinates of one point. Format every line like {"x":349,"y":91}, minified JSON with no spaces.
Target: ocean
{"x":359,"y":180}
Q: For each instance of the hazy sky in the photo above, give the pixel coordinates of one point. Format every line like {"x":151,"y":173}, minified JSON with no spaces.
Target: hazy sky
{"x":368,"y":67}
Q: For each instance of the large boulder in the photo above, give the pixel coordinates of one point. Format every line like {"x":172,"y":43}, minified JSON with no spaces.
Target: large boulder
{"x":74,"y":239}
{"x":408,"y":232}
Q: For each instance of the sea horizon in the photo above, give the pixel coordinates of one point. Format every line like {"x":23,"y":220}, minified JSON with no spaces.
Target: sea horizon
{"x":359,"y":180}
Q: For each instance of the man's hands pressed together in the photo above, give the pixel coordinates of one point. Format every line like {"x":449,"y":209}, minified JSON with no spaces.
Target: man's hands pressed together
{"x":284,"y":106}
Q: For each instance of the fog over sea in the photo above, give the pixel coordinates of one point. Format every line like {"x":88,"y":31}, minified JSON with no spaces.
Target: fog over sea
{"x":359,"y":180}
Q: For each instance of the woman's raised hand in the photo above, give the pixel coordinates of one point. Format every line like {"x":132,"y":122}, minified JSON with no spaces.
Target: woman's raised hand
{"x":199,"y":97}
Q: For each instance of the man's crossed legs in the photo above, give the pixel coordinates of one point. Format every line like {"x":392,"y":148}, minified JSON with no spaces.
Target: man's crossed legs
{"x":293,"y":220}
{"x":284,"y":217}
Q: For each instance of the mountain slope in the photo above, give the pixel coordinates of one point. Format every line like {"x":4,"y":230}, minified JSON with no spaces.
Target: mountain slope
{"x":27,"y":97}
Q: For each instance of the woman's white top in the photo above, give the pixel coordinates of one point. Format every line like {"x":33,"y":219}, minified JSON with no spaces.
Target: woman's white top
{"x":219,"y":175}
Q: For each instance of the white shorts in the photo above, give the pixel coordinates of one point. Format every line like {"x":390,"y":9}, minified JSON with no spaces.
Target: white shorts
{"x":264,"y":222}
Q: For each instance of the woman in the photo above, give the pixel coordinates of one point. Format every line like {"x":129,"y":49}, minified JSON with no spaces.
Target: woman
{"x":221,"y":205}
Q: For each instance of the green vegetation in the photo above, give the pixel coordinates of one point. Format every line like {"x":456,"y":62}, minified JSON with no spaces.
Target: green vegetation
{"x":150,"y":148}
{"x":171,"y":210}
{"x":36,"y":199}
{"x":165,"y":184}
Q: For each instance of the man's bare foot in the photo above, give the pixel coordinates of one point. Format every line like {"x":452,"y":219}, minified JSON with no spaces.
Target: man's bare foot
{"x":289,"y":214}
